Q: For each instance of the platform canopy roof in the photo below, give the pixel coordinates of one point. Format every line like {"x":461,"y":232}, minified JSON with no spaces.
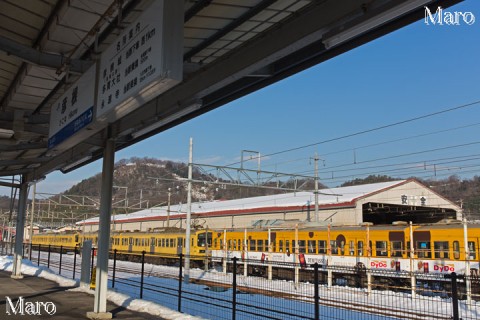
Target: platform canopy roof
{"x":230,"y":48}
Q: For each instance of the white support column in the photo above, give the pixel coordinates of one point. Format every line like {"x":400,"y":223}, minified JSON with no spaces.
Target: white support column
{"x":329,"y":259}
{"x":225,"y":251}
{"x":245,"y":250}
{"x":468,"y":283}
{"x":100,"y":303}
{"x":269,"y":266}
{"x":413,"y":279}
{"x":369,"y":268}
{"x":297,"y":270}
{"x":17,"y":256}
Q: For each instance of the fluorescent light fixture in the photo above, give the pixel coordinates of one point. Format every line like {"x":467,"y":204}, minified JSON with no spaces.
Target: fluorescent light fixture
{"x":6,"y":133}
{"x":191,"y":108}
{"x":373,"y":22}
{"x":76,"y":163}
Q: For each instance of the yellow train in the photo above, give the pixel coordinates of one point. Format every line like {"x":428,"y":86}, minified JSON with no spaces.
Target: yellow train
{"x":434,"y":248}
{"x":161,"y":246}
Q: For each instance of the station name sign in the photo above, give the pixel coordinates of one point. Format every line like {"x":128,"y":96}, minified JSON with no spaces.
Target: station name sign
{"x":73,"y":111}
{"x":144,"y":61}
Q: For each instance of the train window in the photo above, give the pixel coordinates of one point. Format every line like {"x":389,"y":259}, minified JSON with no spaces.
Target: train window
{"x":440,"y":249}
{"x":456,"y":250}
{"x":287,"y":245}
{"x":260,"y":245}
{"x":312,"y":246}
{"x":381,"y":248}
{"x":333,"y":247}
{"x":301,"y":246}
{"x":294,"y":246}
{"x":215,"y":243}
{"x":147,"y":242}
{"x":221,"y":244}
{"x":423,"y":249}
{"x":322,"y":246}
{"x":162,"y":242}
{"x":253,"y":245}
{"x":280,"y":246}
{"x":471,"y":249}
{"x":397,"y":248}
{"x":360,"y":248}
{"x":351,"y":247}
{"x":172,"y":243}
{"x":204,"y":238}
{"x":229,"y":244}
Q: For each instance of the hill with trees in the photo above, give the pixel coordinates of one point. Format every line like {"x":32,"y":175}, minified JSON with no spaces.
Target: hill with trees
{"x":146,"y":182}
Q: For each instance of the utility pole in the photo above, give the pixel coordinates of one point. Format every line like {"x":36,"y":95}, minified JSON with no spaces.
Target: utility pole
{"x":316,"y":186}
{"x":189,"y":213}
{"x":168,"y":207}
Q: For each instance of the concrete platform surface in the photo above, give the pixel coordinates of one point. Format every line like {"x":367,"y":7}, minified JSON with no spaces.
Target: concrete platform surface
{"x":36,"y":294}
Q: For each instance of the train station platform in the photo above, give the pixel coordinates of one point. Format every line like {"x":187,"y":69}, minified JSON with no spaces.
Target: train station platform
{"x":68,"y":304}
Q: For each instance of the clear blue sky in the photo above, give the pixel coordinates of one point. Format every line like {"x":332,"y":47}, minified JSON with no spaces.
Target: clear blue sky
{"x":412,"y":72}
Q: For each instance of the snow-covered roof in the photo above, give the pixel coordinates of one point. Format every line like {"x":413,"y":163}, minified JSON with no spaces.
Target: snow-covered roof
{"x":326,"y":197}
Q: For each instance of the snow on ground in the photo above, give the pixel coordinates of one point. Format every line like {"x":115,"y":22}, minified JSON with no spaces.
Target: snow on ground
{"x":160,"y":285}
{"x":28,"y":268}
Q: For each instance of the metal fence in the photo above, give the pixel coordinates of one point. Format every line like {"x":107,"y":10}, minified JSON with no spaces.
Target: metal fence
{"x":322,"y":292}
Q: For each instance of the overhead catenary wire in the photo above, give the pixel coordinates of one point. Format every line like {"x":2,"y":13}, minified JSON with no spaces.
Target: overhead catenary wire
{"x":463,"y":106}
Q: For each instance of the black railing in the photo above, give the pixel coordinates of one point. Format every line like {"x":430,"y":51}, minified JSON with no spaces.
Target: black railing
{"x":225,"y":293}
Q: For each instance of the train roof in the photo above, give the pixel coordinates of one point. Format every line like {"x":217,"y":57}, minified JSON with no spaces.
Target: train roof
{"x":324,"y":228}
{"x":451,"y":226}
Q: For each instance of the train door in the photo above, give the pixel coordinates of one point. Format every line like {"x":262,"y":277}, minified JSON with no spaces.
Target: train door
{"x":179,"y":245}
{"x":152,"y":245}
{"x":130,"y":244}
{"x":397,"y":243}
{"x":283,"y":246}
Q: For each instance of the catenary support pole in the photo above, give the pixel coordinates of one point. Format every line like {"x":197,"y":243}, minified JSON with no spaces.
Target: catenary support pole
{"x":100,"y":303}
{"x":316,"y":187}
{"x":189,"y":214}
{"x":22,"y":205}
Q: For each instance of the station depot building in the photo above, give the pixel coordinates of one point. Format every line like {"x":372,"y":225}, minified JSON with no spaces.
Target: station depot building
{"x":378,"y":203}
